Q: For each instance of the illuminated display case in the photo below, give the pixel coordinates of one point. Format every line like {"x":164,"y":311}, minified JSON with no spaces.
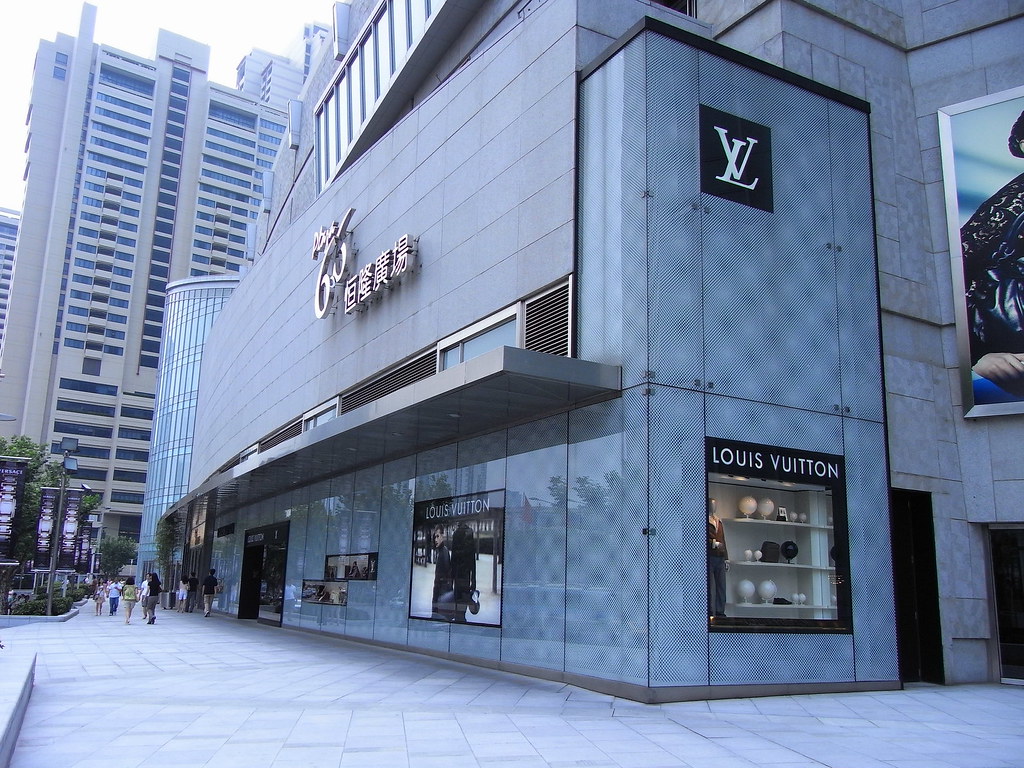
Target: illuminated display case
{"x":783,"y":524}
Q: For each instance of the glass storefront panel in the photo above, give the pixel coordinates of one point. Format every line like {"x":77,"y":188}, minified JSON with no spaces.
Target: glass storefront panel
{"x":533,"y":619}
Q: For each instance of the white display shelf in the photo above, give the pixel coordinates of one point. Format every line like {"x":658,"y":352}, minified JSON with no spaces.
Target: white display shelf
{"x":759,"y":521}
{"x":761,"y":564}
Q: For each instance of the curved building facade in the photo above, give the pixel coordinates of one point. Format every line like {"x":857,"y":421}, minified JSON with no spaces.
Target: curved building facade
{"x":192,"y":306}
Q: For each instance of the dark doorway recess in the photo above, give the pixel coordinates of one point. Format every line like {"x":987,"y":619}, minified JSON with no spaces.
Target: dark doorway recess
{"x":917,"y":588}
{"x":263,"y":569}
{"x":1008,"y":583}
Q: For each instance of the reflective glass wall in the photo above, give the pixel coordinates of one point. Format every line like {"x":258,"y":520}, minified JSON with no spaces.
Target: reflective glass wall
{"x":192,"y":306}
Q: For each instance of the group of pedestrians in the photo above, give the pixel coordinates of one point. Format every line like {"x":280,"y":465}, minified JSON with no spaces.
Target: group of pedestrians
{"x":113,"y":592}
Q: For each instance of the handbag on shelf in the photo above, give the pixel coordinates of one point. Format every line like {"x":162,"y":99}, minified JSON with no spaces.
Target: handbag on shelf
{"x":770,"y":552}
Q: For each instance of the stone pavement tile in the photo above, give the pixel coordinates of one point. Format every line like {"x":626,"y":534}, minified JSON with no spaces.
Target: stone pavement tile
{"x":310,"y":757}
{"x":506,"y":749}
{"x":378,"y":758}
{"x":179,"y":759}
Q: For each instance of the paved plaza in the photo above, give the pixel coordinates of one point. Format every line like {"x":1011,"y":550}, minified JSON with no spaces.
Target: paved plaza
{"x":217,"y":692}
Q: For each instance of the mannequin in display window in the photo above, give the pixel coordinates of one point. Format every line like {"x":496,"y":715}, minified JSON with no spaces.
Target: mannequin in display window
{"x":718,"y":562}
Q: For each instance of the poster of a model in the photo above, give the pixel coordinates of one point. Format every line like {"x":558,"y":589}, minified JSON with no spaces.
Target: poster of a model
{"x":44,"y":529}
{"x":325,"y":592}
{"x":67,"y":554}
{"x":12,"y":488}
{"x":362,"y":566}
{"x":982,"y":145}
{"x":457,"y":558}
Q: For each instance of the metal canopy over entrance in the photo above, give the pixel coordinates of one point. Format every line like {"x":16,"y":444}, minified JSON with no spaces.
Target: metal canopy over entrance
{"x":502,"y":387}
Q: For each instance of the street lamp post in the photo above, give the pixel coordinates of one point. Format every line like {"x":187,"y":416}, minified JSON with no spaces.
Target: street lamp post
{"x":69,"y":464}
{"x":97,"y":520}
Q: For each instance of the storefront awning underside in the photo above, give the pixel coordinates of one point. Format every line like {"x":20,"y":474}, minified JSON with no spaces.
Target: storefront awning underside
{"x":502,"y":387}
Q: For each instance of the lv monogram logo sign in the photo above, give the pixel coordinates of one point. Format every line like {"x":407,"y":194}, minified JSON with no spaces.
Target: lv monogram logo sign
{"x":735,"y":166}
{"x":735,"y":157}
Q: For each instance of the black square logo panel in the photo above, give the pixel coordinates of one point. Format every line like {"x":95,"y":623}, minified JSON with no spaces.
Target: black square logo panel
{"x":735,"y":159}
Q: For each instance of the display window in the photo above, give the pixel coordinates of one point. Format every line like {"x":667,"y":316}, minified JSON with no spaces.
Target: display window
{"x":457,"y":558}
{"x":776,"y":538}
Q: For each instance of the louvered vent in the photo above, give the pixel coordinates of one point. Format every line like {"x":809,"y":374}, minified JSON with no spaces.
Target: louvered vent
{"x":403,"y":376}
{"x":292,"y":430}
{"x":547,"y":322}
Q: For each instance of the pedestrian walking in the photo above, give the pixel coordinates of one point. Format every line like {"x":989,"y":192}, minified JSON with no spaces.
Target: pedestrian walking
{"x":182,"y":595}
{"x":209,"y":590}
{"x":130,"y":596}
{"x":193,"y":592}
{"x":114,"y":596}
{"x":155,"y":588}
{"x":144,"y":597}
{"x":100,"y":597}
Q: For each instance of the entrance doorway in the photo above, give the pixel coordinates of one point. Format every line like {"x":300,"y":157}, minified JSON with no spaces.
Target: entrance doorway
{"x":261,"y":589}
{"x":1008,"y":576}
{"x":916,"y":581}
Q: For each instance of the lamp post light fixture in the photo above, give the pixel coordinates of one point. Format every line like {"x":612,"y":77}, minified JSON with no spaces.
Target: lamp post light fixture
{"x":69,"y":465}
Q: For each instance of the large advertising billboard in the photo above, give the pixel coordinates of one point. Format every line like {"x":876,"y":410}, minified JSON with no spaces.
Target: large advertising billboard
{"x":982,"y":143}
{"x":457,"y":558}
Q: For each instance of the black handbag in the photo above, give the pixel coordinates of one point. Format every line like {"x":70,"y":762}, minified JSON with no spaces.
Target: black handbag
{"x":770,"y":552}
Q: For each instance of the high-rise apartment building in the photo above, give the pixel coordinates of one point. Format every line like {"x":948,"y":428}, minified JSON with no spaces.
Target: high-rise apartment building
{"x":9,"y":221}
{"x":139,"y":172}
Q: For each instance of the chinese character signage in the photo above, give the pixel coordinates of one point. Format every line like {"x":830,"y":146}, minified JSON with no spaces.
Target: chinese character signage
{"x":12,"y":491}
{"x":982,"y":144}
{"x":358,"y":286}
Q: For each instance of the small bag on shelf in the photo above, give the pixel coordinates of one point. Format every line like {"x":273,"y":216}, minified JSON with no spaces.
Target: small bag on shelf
{"x":770,"y":552}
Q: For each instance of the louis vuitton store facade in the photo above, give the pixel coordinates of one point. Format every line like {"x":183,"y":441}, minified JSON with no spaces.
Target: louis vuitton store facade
{"x":607,"y":407}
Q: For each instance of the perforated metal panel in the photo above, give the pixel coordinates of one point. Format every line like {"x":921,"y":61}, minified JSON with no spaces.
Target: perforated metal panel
{"x":533,"y":609}
{"x":856,"y":265}
{"x":766,"y":424}
{"x":759,"y":659}
{"x":481,"y":464}
{"x":391,"y":615}
{"x":606,"y":568}
{"x":679,"y":624}
{"x":366,"y":524}
{"x":769,"y":278}
{"x":297,"y":514}
{"x":611,"y":288}
{"x":874,"y":613}
{"x":675,"y":268}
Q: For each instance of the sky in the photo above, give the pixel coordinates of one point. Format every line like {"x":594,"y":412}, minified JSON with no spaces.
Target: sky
{"x":231,"y":28}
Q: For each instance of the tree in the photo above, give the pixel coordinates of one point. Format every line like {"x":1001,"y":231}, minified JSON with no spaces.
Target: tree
{"x":116,"y":553}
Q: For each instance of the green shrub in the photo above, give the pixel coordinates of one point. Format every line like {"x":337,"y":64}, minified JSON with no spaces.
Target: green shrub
{"x":37,"y":607}
{"x":30,"y":608}
{"x":62,"y":605}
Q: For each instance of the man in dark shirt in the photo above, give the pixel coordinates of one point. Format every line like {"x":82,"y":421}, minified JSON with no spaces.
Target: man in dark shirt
{"x":209,"y":590}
